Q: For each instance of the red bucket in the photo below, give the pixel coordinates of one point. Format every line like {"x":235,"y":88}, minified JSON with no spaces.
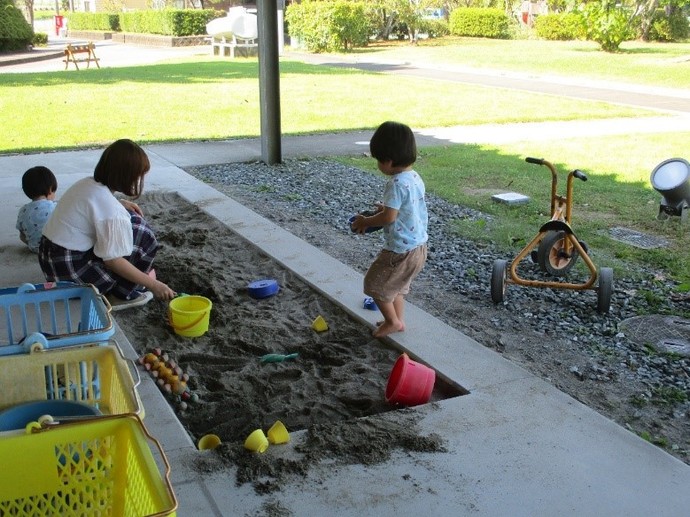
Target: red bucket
{"x":410,"y":383}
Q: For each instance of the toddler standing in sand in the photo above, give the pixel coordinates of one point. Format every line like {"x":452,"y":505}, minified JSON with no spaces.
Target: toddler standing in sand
{"x":403,"y":215}
{"x":39,"y":184}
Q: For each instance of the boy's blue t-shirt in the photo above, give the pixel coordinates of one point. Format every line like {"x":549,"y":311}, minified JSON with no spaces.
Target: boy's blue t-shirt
{"x":405,"y":193}
{"x":32,"y":218}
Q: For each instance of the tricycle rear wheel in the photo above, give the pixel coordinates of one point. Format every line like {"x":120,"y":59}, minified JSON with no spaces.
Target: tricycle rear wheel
{"x":605,"y":290}
{"x":498,"y":281}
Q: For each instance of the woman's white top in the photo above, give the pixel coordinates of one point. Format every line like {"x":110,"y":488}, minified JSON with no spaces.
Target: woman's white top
{"x":89,"y":216}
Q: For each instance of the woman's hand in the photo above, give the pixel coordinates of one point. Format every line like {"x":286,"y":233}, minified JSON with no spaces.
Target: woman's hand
{"x":130,"y":206}
{"x":161,"y":291}
{"x":127,"y":270}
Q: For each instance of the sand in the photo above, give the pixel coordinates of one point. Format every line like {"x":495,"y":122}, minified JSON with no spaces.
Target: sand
{"x":339,"y":376}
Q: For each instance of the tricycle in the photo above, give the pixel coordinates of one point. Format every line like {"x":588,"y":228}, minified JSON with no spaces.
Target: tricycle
{"x":556,"y":249}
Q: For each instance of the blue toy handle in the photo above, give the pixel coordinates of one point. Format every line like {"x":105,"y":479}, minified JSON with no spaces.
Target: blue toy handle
{"x":35,"y":338}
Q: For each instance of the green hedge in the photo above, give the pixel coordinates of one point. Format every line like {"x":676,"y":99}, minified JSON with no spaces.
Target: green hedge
{"x":329,"y":26}
{"x":479,"y":22}
{"x":109,"y":22}
{"x":560,"y":26}
{"x":15,"y":31}
{"x":169,"y":22}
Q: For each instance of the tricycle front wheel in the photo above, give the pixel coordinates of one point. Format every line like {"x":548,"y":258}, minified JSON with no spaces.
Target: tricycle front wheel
{"x":551,"y":255}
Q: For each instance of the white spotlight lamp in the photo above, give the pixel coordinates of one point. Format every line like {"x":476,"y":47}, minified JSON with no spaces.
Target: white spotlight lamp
{"x":671,"y":179}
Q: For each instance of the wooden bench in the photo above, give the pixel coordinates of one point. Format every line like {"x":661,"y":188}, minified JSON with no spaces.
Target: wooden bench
{"x":72,"y":51}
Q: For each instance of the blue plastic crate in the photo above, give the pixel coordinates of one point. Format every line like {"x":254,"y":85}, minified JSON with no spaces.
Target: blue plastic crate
{"x":52,"y":316}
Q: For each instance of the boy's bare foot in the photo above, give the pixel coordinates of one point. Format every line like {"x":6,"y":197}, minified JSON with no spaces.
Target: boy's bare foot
{"x":402,"y":325}
{"x":383,"y":329}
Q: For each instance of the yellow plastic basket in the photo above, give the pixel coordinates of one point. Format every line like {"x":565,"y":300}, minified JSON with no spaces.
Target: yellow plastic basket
{"x":100,"y":466}
{"x":97,"y":375}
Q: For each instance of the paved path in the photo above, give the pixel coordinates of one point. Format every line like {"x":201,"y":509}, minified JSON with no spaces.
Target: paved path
{"x":665,"y":99}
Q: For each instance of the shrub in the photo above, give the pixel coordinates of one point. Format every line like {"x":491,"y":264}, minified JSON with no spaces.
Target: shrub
{"x":560,"y":26}
{"x":433,"y":28}
{"x":478,"y":22}
{"x":329,"y":25}
{"x":350,"y":25}
{"x":307,"y":22}
{"x":607,"y":24}
{"x":673,"y":27}
{"x":15,"y":31}
{"x":40,"y":39}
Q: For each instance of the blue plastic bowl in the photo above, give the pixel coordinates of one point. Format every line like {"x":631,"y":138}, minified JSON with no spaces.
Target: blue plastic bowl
{"x":263,"y":288}
{"x":16,"y":417}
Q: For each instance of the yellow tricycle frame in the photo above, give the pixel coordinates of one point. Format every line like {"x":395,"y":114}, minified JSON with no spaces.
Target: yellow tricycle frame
{"x":556,"y":249}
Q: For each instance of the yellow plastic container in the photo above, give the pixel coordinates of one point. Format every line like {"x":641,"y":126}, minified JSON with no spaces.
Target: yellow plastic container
{"x":101,"y":466}
{"x":278,"y":433}
{"x":208,"y":442}
{"x":97,"y":375}
{"x":319,"y":324}
{"x":189,"y":315}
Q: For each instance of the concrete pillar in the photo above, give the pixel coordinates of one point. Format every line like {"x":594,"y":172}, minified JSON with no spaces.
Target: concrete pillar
{"x":269,"y":81}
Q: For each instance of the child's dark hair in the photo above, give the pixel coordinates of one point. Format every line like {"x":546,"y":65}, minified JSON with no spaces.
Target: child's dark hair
{"x":394,"y":141}
{"x":122,"y":167}
{"x":39,"y":181}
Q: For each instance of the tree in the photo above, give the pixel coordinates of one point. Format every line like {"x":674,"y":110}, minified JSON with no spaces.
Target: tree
{"x":608,"y":24}
{"x":15,"y":31}
{"x":29,"y":8}
{"x":405,"y":14}
{"x":646,"y":10}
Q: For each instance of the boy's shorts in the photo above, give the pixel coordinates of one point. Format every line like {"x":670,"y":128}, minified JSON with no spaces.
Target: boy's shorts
{"x":392,"y":273}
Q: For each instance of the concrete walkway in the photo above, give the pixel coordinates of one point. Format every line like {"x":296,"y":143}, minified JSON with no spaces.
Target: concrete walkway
{"x":517,"y":446}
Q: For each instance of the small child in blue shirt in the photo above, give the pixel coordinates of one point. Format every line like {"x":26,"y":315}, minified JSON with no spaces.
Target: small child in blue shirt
{"x":40,"y":185}
{"x":403,"y":215}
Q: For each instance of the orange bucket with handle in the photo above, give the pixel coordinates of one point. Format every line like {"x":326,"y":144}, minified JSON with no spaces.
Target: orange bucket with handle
{"x":410,"y":383}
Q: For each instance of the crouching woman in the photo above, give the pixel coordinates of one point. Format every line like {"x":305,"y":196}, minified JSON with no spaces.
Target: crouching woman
{"x":94,"y":238}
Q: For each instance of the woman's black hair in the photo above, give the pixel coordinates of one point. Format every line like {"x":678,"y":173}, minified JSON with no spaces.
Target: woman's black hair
{"x":122,"y":167}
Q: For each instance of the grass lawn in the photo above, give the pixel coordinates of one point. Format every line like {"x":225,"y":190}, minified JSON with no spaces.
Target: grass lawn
{"x":206,"y":98}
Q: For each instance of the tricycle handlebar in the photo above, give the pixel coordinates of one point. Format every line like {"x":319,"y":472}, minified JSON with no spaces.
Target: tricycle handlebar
{"x":537,"y":161}
{"x":579,"y":175}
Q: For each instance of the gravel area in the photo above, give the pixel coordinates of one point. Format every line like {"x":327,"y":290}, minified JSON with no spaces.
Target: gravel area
{"x":554,"y":333}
